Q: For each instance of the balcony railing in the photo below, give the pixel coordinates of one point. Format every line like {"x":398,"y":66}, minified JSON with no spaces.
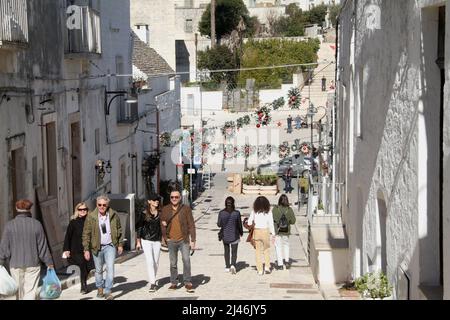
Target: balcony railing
{"x":13,"y":23}
{"x":86,"y":39}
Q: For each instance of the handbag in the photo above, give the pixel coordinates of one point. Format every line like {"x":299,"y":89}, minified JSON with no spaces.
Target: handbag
{"x":251,"y":229}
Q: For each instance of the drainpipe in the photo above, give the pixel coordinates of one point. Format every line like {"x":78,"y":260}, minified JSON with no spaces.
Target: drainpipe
{"x":158,"y":171}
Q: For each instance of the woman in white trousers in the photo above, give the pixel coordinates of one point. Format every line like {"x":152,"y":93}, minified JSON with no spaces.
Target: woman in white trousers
{"x":149,"y":238}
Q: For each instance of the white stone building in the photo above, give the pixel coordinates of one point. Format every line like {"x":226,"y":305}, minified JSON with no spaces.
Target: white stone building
{"x":161,"y":100}
{"x":392,"y":144}
{"x":63,"y":107}
{"x":302,"y":4}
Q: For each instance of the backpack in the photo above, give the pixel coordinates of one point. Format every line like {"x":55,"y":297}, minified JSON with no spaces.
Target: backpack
{"x":283,"y":224}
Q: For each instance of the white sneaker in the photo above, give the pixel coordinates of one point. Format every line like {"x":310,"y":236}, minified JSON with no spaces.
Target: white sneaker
{"x":261,"y":273}
{"x":233,"y":270}
{"x":227,"y":270}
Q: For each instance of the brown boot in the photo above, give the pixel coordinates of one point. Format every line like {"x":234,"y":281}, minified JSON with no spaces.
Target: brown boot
{"x":100,"y":293}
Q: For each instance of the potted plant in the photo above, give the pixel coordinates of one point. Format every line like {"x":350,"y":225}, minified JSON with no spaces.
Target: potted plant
{"x":320,"y":209}
{"x":374,"y":285}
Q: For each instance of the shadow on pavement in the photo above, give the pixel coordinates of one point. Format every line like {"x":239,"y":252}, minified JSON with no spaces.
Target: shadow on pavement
{"x":128,"y":287}
{"x":200,"y":280}
{"x":241,"y":265}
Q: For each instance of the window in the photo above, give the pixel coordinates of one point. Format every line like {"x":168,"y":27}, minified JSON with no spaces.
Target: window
{"x":188,"y":27}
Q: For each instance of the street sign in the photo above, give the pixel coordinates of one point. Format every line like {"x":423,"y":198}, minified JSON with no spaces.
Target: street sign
{"x":191,"y":171}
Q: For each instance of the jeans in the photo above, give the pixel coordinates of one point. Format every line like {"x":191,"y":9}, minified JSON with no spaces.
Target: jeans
{"x":282,"y":249}
{"x":152,"y":250}
{"x":184,"y":247}
{"x":106,"y":255}
{"x":288,"y":186}
{"x":234,"y":248}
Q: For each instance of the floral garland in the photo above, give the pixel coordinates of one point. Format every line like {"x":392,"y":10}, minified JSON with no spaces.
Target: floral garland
{"x":247,"y":150}
{"x":278,"y":103}
{"x":263,"y":117}
{"x":229,"y":129}
{"x":165,"y":139}
{"x":243,"y":121}
{"x":294,"y":98}
{"x":284,"y":150}
{"x":265,"y":151}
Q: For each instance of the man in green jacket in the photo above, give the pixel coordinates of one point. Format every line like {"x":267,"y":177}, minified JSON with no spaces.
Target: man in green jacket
{"x":102,"y":235}
{"x":283,"y":217}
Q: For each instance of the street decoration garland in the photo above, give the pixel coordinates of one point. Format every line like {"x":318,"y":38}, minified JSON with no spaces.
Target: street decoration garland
{"x":243,"y":121}
{"x":263,"y":117}
{"x":165,"y":139}
{"x":247,"y":150}
{"x":284,"y":150}
{"x":229,"y":129}
{"x":278,"y":103}
{"x":294,"y":96}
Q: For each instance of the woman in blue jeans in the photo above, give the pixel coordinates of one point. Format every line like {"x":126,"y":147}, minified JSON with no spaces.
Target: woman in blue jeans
{"x":230,"y":224}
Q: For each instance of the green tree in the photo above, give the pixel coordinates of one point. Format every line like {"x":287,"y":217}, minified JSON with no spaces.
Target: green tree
{"x":218,"y":58}
{"x":273,"y":52}
{"x":334,"y":12}
{"x":317,"y":14}
{"x":228,"y":15}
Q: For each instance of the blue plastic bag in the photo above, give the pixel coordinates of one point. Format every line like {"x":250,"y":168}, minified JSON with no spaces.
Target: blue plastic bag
{"x":51,"y":286}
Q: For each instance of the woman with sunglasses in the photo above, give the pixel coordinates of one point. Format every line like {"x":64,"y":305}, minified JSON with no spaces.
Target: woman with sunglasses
{"x":73,"y":247}
{"x":148,"y":233}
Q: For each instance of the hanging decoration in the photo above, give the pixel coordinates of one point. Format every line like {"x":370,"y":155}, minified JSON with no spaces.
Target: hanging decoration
{"x":247,"y":150}
{"x":229,"y":129}
{"x":243,"y":121}
{"x":278,"y":103}
{"x":263,"y":116}
{"x":294,"y":98}
{"x":284,"y":150}
{"x":165,"y":139}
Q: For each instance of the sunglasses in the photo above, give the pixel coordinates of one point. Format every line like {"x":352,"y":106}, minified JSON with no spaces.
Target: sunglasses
{"x":82,"y":209}
{"x":102,"y":205}
{"x":174,"y":197}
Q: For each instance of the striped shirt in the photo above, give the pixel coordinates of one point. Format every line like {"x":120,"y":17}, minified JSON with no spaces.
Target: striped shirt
{"x":24,"y":243}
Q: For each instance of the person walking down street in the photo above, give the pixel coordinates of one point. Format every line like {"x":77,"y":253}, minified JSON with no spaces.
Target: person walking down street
{"x":230,"y":223}
{"x":24,"y":245}
{"x":73,"y":245}
{"x":178,"y":229}
{"x":264,"y":232}
{"x":102,"y":236}
{"x":324,"y":84}
{"x":283,"y":217}
{"x":287,"y":176}
{"x":149,"y":236}
{"x":298,"y":122}
{"x":289,"y":124}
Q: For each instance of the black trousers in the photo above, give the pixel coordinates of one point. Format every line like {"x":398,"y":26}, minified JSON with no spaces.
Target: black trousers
{"x":85,"y":266}
{"x":234,"y":248}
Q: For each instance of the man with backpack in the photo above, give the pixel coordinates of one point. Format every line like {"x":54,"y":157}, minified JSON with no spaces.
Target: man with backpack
{"x":283,"y":217}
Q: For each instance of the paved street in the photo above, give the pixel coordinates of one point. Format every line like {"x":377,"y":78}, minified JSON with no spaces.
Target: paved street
{"x":209,"y":277}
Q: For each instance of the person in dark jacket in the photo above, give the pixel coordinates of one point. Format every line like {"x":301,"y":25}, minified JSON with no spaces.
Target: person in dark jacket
{"x":149,"y":237}
{"x":73,"y":245}
{"x":230,"y":222}
{"x":24,"y":245}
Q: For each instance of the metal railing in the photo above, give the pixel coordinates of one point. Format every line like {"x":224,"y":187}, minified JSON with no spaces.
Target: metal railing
{"x":87,"y":39}
{"x":13,"y":22}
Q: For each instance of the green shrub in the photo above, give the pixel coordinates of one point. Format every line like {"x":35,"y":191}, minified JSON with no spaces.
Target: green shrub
{"x":373,"y":285}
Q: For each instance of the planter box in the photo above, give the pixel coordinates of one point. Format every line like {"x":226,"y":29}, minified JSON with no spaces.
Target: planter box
{"x":268,"y":190}
{"x":263,"y":190}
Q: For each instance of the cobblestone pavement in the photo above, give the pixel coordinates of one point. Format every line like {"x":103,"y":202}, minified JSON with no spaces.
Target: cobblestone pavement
{"x":209,"y":278}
